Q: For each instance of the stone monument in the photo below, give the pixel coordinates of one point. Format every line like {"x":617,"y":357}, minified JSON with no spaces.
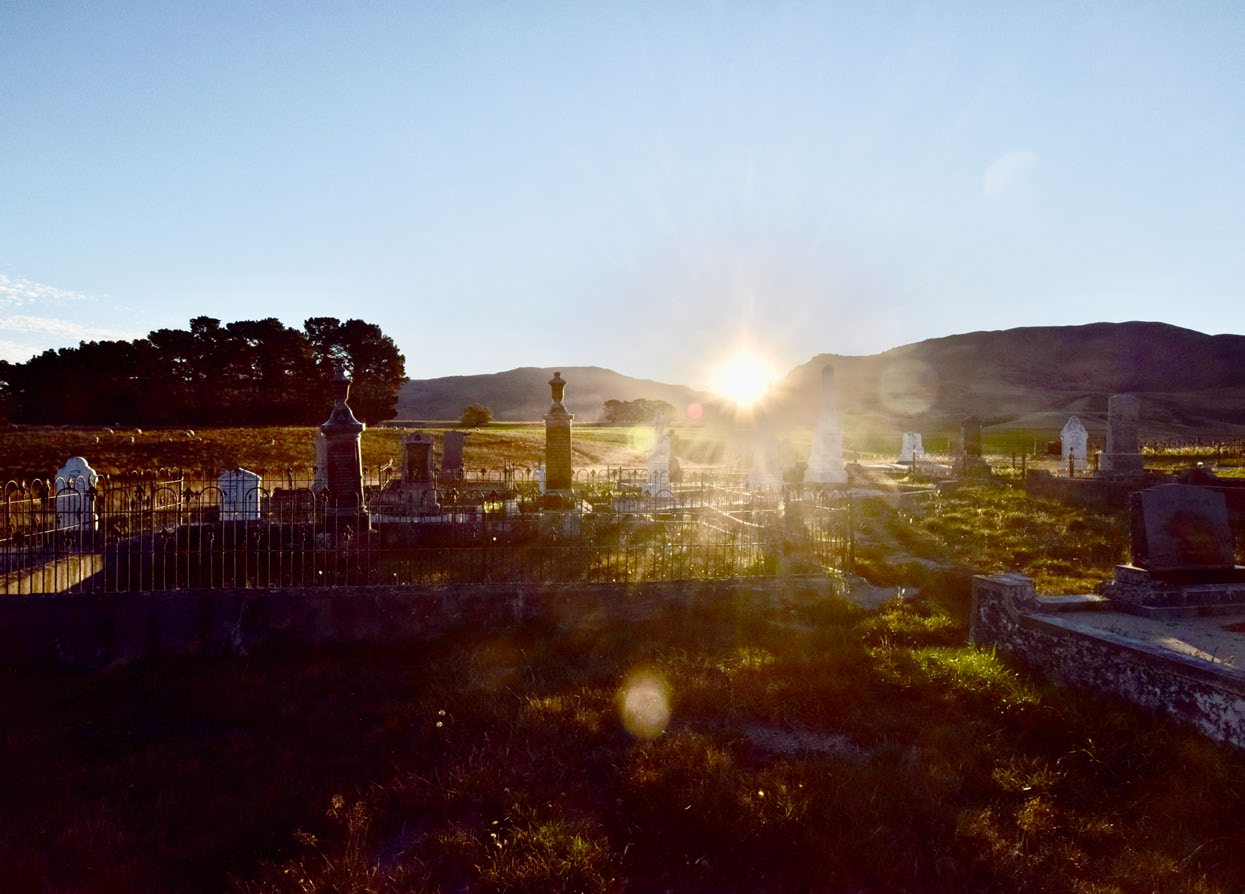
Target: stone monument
{"x":322,"y":461}
{"x":766,"y":470}
{"x":343,"y":458}
{"x":1074,"y":441}
{"x":970,"y":448}
{"x":1183,"y":555}
{"x":659,"y":459}
{"x":912,"y":449}
{"x":558,"y":472}
{"x":825,"y":458}
{"x":452,"y":449}
{"x":1123,"y":453}
{"x":239,"y":495}
{"x":75,"y":495}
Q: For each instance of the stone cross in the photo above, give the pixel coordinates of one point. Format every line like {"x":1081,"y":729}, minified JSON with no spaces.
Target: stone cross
{"x":239,"y":495}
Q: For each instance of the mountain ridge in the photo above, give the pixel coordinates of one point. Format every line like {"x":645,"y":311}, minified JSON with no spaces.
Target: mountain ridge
{"x":1032,"y":376}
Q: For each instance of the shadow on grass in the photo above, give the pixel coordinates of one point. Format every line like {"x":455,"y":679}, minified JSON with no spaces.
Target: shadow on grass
{"x":814,"y":747}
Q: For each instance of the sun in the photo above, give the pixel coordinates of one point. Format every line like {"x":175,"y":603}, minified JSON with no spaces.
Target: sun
{"x":743,"y":378}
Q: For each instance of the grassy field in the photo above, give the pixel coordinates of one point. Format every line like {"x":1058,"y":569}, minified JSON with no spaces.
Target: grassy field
{"x":820,"y":748}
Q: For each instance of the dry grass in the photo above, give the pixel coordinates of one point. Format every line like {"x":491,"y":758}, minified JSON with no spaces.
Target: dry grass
{"x":39,"y":452}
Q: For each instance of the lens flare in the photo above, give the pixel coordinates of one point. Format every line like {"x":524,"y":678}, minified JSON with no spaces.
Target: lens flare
{"x":644,"y":704}
{"x":640,"y":438}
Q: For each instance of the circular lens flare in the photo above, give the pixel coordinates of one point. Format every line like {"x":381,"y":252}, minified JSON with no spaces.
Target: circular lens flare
{"x":644,"y":704}
{"x":743,"y":378}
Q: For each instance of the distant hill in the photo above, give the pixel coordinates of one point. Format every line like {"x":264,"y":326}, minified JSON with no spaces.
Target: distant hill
{"x":1034,"y":377}
{"x":523,"y":394}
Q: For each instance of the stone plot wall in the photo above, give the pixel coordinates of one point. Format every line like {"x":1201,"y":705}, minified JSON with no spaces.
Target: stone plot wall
{"x":1007,"y":613}
{"x":89,"y":631}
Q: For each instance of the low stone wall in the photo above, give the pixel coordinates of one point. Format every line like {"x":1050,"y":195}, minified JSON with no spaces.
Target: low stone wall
{"x":1008,"y":613}
{"x":87,"y":631}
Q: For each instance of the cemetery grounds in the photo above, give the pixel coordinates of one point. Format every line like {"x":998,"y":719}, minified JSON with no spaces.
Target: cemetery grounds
{"x":815,"y":747}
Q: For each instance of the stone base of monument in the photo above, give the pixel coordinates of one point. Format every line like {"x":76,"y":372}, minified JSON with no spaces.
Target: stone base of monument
{"x":974,"y":467}
{"x":1167,"y":594}
{"x":405,"y":498}
{"x":1121,"y":463}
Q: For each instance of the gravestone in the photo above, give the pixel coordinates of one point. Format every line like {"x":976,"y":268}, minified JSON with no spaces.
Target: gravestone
{"x":766,"y":470}
{"x":343,"y":458}
{"x":417,"y":459}
{"x":1123,"y":453}
{"x":659,"y":459}
{"x":239,"y":495}
{"x":540,"y":478}
{"x":322,"y":461}
{"x":912,"y":449}
{"x":414,"y":492}
{"x":1181,"y":527}
{"x":970,"y":436}
{"x":1074,"y":445}
{"x":825,"y":458}
{"x":452,"y":453}
{"x":558,"y":471}
{"x":75,"y":495}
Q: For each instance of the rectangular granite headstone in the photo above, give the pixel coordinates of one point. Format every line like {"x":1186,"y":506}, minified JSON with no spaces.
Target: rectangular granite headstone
{"x":1182,"y":528}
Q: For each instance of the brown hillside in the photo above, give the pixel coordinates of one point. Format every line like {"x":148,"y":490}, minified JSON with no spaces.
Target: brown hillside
{"x":1036,"y":377}
{"x":523,"y":394}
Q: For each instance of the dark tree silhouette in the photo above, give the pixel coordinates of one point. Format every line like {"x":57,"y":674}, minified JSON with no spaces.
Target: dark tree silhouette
{"x":251,"y":372}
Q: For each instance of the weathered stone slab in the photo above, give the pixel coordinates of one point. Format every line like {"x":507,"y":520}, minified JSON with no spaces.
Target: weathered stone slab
{"x":1182,"y":527}
{"x":1123,"y":453}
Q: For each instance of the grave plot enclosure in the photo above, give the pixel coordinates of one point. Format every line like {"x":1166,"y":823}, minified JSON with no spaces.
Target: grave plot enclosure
{"x":166,"y":531}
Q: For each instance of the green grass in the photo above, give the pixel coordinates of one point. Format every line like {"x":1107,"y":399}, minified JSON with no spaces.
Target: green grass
{"x":995,"y":527}
{"x":816,"y":748}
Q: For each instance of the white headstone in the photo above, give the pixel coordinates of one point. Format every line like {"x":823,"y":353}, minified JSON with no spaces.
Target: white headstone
{"x":1075,"y":441}
{"x":912,"y":450}
{"x":75,"y":494}
{"x":825,"y":458}
{"x":540,"y":478}
{"x":239,"y":495}
{"x":659,"y":460}
{"x":766,"y":471}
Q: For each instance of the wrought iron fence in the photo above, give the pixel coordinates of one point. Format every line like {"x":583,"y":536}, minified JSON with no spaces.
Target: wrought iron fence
{"x":150,"y":532}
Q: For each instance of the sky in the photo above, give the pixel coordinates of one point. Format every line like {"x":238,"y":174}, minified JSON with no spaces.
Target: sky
{"x":648,"y":187}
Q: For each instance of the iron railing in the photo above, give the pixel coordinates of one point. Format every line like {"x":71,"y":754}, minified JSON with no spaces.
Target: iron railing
{"x":154,"y":532}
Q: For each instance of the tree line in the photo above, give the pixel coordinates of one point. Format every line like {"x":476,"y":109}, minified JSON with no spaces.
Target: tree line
{"x":251,"y":372}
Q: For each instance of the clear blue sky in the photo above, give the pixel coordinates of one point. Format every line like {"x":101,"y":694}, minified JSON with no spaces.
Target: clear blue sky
{"x":631,"y":185}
